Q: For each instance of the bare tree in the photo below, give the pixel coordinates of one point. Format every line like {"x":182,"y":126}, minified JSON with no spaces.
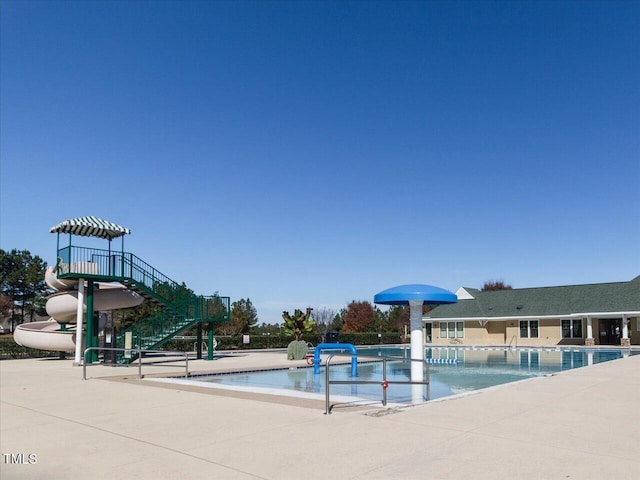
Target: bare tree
{"x":492,"y":285}
{"x":324,"y":317}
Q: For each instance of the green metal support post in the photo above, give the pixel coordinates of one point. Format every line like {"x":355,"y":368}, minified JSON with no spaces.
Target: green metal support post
{"x":199,"y":341}
{"x":210,"y":343}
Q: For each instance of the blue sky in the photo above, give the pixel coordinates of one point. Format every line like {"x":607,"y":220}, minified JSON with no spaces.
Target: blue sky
{"x":313,"y":153}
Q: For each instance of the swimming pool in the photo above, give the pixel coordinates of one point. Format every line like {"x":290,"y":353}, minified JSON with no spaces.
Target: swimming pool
{"x":475,"y":368}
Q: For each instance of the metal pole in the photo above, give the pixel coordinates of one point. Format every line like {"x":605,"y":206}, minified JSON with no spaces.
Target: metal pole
{"x":384,"y":382}
{"x":139,"y":363}
{"x":327,"y":410}
{"x":210,"y":347}
{"x":428,"y":379}
{"x":91,"y":336}
{"x":79,"y":315}
{"x":199,"y":341}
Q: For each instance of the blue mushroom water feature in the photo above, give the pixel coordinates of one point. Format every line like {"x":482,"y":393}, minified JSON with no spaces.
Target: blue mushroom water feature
{"x":415,"y":295}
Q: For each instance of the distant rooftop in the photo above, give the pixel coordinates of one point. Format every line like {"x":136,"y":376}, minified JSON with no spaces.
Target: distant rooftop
{"x":543,"y":301}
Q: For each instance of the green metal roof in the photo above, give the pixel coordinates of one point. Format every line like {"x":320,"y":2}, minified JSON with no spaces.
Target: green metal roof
{"x":90,"y":227}
{"x":545,"y":301}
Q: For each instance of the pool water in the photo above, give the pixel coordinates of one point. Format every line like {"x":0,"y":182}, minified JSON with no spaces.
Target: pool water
{"x":475,"y":368}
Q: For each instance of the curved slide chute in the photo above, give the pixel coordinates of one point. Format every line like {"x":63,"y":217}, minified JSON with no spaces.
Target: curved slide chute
{"x":58,"y":333}
{"x":45,"y":336}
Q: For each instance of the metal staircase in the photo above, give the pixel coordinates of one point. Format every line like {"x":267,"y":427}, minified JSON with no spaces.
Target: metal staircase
{"x":173,"y":319}
{"x":180,"y":308}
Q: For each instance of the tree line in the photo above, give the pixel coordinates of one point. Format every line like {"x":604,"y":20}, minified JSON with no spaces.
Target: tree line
{"x":23,"y":294}
{"x":23,"y":291}
{"x":359,"y":316}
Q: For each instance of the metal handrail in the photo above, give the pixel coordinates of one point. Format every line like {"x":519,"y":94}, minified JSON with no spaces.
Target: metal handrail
{"x":384,"y":383}
{"x":139,"y":352}
{"x":183,"y":308}
{"x":118,"y":265}
{"x":83,"y":262}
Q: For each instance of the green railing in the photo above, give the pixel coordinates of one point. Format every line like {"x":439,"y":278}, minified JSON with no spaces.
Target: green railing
{"x":181,"y":311}
{"x":153,"y":331}
{"x":76,"y":262}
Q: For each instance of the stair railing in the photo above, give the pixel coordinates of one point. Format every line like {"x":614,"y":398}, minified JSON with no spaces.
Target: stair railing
{"x":182,"y":307}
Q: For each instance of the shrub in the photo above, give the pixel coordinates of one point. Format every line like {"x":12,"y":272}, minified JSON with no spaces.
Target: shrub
{"x":11,"y":350}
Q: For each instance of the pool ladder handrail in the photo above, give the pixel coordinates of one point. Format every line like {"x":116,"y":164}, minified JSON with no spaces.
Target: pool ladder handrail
{"x":384,"y":383}
{"x":140,"y":354}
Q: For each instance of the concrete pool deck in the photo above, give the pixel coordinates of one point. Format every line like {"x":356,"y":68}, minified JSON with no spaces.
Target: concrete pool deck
{"x":580,"y":424}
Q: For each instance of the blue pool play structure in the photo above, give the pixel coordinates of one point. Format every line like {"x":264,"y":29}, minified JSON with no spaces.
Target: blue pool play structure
{"x":416,"y":296}
{"x":336,"y":347}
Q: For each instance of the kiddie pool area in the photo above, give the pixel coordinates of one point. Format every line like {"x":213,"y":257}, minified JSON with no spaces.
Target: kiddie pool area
{"x":451,"y":371}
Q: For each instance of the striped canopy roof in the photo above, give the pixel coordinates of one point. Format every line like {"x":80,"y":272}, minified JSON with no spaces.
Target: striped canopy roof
{"x":90,"y":227}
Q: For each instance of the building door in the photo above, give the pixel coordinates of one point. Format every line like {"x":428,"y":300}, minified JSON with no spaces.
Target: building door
{"x":427,"y":333}
{"x":610,"y":331}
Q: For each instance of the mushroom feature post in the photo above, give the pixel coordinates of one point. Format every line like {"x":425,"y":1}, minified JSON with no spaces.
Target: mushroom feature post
{"x":415,"y":295}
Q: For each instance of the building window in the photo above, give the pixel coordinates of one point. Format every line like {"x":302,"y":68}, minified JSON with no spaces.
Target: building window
{"x":572,"y":328}
{"x":528,"y":328}
{"x":451,"y":329}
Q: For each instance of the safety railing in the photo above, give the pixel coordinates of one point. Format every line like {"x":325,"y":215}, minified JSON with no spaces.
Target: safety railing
{"x":157,"y":328}
{"x":140,"y":354}
{"x":153,"y":330}
{"x":384,"y":383}
{"x":120,"y":266}
{"x":127,"y":268}
{"x":182,"y":308}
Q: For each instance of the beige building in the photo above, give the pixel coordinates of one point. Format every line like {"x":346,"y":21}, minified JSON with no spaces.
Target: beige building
{"x":595,"y":314}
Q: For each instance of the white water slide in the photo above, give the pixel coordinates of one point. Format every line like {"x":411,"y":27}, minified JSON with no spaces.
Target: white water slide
{"x":58,"y":334}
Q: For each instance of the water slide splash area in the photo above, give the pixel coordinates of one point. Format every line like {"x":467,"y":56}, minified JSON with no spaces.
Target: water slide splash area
{"x":90,"y":280}
{"x":58,"y":334}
